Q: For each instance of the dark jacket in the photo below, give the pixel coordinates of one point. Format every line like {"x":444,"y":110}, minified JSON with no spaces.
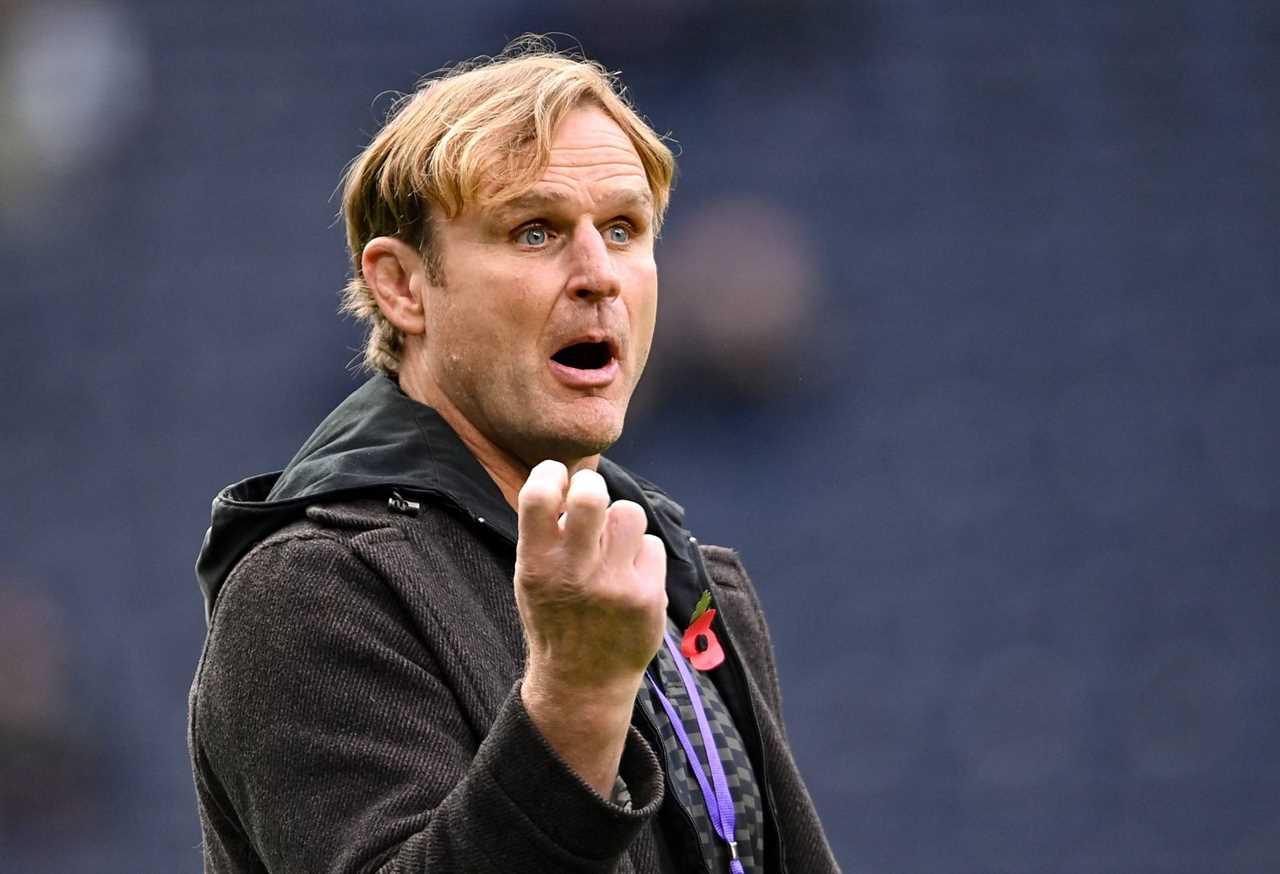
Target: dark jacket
{"x":356,"y":707}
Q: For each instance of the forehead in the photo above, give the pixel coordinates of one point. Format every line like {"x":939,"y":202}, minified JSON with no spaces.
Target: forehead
{"x":590,"y":159}
{"x":587,"y":136}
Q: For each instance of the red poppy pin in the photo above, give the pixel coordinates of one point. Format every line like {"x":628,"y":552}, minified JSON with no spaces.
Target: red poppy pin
{"x":700,"y":645}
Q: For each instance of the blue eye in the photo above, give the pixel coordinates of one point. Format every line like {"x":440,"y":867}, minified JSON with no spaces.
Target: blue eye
{"x":533,"y":236}
{"x":619,"y":234}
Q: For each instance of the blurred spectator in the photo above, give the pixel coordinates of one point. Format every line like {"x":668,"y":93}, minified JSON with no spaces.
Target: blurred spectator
{"x":73,"y":80}
{"x":43,"y":766}
{"x":740,"y":292}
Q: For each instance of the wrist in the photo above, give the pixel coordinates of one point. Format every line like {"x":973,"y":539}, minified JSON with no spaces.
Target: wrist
{"x":586,"y":725}
{"x":585,"y":703}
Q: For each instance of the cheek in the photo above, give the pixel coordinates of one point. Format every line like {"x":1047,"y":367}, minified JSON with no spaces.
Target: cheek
{"x":516,"y":320}
{"x":462,"y":334}
{"x":504,"y":320}
{"x":515,"y":303}
{"x":644,"y":303}
{"x":490,"y":308}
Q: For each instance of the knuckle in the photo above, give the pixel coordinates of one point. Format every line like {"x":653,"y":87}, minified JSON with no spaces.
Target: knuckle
{"x":550,"y":468}
{"x":547,"y":477}
{"x":587,"y":498}
{"x":627,"y":513}
{"x":534,"y":493}
{"x":585,"y":493}
{"x":588,"y":478}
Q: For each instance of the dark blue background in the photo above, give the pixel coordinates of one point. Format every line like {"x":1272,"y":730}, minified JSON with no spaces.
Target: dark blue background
{"x":1008,"y":491}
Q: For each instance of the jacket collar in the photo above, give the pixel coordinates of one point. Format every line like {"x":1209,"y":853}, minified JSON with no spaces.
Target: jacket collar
{"x":379,"y":441}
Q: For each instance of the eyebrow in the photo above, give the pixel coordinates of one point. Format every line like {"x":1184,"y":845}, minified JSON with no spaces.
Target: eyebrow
{"x":627,"y":198}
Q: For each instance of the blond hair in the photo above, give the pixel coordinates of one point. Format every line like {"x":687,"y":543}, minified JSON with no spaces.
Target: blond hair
{"x":478,"y":133}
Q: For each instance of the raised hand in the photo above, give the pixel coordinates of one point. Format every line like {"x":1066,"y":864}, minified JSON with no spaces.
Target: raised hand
{"x":590,"y":587}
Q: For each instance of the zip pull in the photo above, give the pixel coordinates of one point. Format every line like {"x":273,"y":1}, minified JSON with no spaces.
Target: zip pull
{"x":397,"y":503}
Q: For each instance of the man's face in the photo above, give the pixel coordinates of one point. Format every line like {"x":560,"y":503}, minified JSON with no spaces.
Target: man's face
{"x":543,"y":326}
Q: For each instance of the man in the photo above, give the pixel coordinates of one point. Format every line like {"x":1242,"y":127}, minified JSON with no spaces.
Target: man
{"x":449,"y":636}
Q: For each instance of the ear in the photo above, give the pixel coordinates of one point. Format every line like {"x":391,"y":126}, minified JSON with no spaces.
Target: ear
{"x":397,"y":276}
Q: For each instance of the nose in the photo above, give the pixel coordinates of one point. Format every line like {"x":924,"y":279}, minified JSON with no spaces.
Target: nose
{"x":593,"y":277}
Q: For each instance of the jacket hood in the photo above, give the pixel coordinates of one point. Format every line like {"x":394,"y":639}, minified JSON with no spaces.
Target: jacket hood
{"x":379,"y":441}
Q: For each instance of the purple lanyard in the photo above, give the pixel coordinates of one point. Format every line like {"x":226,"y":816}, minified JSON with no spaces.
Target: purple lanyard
{"x":719,"y":802}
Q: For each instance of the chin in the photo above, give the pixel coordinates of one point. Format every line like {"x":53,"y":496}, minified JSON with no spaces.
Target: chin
{"x":584,"y":445}
{"x":577,"y":440}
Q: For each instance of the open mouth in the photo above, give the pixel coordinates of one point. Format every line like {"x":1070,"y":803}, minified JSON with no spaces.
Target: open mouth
{"x":585,"y":356}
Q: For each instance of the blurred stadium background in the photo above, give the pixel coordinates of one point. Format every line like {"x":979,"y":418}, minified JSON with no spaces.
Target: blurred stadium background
{"x":970,"y":343}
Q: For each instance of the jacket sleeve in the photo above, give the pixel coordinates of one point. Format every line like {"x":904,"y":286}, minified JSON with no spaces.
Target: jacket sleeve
{"x":325,"y":740}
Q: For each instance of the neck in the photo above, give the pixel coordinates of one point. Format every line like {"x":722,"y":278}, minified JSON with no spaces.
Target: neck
{"x":505,"y":468}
